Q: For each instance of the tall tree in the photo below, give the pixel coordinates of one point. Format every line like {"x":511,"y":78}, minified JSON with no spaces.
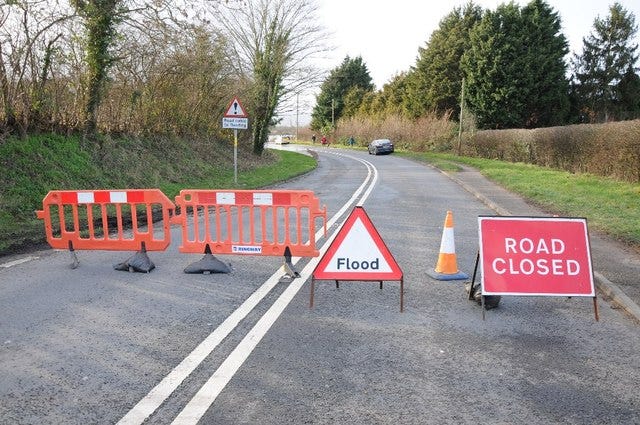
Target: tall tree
{"x":29,"y":34}
{"x":394,"y":93}
{"x":607,"y":54}
{"x":493,"y":67}
{"x":273,"y":41}
{"x":547,"y":101}
{"x":100,"y":18}
{"x":353,"y":100}
{"x":436,"y":80}
{"x":515,"y":67}
{"x":351,"y":74}
{"x":628,"y":95}
{"x":390,"y":101}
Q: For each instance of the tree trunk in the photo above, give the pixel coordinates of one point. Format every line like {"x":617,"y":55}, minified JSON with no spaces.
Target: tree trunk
{"x":99,"y":20}
{"x":10,"y":117}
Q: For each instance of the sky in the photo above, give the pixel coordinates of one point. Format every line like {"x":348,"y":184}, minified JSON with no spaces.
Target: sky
{"x":387,"y":34}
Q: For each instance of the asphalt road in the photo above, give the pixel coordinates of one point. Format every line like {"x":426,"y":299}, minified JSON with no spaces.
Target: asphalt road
{"x":94,"y":345}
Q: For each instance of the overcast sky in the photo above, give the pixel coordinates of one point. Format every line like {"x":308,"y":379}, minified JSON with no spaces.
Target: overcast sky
{"x":387,"y":34}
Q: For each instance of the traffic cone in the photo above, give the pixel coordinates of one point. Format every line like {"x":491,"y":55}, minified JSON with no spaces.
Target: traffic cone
{"x":447,"y":267}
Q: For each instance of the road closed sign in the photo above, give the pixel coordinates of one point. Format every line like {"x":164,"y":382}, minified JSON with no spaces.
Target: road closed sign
{"x":535,"y":256}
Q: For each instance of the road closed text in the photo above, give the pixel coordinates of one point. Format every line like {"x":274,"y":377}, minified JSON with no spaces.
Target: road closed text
{"x":535,"y":256}
{"x":535,"y":264}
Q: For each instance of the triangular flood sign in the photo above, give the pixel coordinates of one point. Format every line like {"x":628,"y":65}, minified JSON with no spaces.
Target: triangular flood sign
{"x":358,"y":253}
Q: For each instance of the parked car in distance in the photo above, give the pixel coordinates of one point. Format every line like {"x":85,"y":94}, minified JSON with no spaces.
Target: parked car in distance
{"x":379,"y":146}
{"x":278,"y":139}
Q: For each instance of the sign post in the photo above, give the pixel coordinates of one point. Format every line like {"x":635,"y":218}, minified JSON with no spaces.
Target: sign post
{"x":536,"y":256}
{"x":235,"y":118}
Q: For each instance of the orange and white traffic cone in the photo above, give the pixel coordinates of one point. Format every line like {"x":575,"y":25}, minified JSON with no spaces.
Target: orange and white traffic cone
{"x":447,"y":266}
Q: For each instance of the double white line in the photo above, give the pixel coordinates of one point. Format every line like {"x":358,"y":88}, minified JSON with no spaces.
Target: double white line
{"x":207,"y":394}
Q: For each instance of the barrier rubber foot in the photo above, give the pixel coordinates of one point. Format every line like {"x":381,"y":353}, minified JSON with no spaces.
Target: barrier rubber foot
{"x":139,"y":262}
{"x":208,"y":264}
{"x":74,"y":260}
{"x":290,"y":272}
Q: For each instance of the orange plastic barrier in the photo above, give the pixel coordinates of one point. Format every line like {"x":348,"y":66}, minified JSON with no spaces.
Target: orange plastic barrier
{"x":70,"y":219}
{"x":253,"y":222}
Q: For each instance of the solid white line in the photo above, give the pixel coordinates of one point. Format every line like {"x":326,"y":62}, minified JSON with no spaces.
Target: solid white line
{"x":167,"y":386}
{"x":208,"y":393}
{"x":150,"y":403}
{"x":17,"y":262}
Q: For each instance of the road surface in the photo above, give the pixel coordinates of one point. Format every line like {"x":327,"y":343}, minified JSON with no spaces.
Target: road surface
{"x":95,"y":345}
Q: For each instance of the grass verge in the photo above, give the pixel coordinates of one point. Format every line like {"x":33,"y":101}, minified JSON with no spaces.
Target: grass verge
{"x":610,"y":206}
{"x":33,"y":167}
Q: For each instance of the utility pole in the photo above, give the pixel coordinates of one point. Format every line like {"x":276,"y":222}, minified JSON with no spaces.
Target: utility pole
{"x":333,"y":113}
{"x":297,"y":106}
{"x":460,"y":119}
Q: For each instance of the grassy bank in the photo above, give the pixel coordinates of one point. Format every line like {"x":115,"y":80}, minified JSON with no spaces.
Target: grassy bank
{"x":32,"y":167}
{"x":611,"y":206}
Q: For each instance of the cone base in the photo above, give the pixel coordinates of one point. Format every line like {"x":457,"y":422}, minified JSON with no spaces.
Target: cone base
{"x":447,"y":276}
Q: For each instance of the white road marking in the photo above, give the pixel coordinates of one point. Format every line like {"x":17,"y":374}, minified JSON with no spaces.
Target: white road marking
{"x":204,"y":398}
{"x":145,"y":407}
{"x":207,"y":394}
{"x":17,"y":262}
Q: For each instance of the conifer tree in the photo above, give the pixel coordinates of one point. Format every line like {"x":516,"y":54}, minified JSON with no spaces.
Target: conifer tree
{"x":515,"y":67}
{"x":435,"y":82}
{"x":351,"y":74}
{"x":608,"y":54}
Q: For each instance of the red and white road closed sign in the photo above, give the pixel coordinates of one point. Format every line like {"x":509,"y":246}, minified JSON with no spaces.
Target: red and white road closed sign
{"x":535,"y":256}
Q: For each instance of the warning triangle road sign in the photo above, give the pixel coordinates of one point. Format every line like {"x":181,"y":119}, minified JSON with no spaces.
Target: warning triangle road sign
{"x":358,"y":253}
{"x":235,"y":110}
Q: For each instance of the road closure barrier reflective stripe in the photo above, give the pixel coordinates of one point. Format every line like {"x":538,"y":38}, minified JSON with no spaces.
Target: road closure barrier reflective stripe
{"x":249,"y":222}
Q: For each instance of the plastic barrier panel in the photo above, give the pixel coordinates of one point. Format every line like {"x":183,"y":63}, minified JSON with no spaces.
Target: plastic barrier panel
{"x":116,"y":220}
{"x":252,"y":222}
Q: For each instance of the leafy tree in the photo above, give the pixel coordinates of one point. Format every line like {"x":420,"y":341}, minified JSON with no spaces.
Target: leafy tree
{"x":395,"y":93}
{"x":352,"y":101}
{"x":436,"y":80}
{"x":164,"y":67}
{"x":330,"y":102}
{"x":273,"y":40}
{"x":608,"y":53}
{"x":386,"y":102}
{"x":100,"y":18}
{"x":515,"y":67}
{"x":108,"y":26}
{"x":29,"y":36}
